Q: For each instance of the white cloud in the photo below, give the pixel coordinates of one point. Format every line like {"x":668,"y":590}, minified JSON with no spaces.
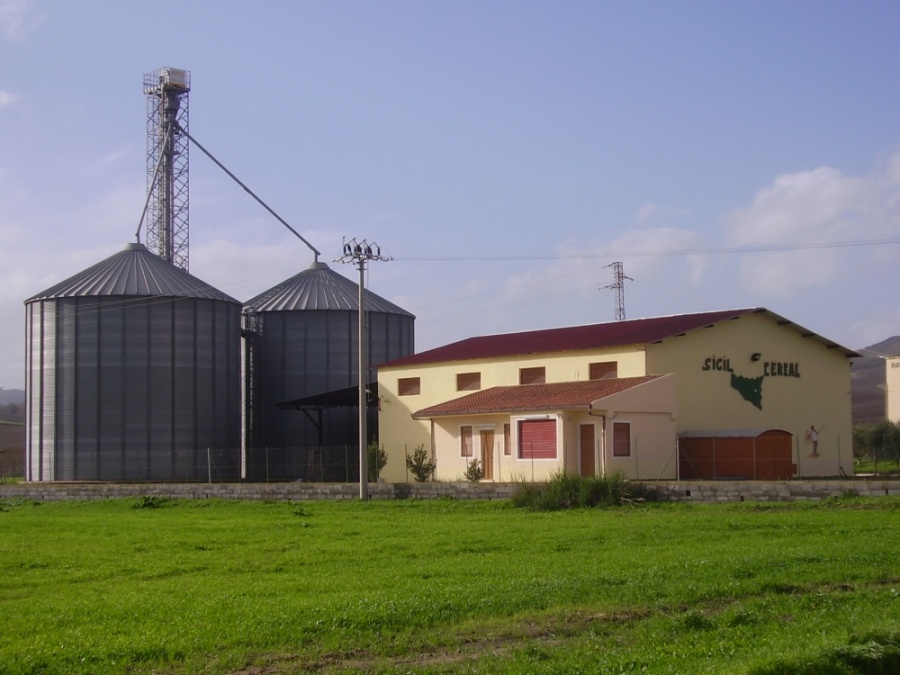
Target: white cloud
{"x":7,"y":99}
{"x":654,"y":212}
{"x":18,"y":18}
{"x":784,"y":274}
{"x":647,"y":252}
{"x":809,"y":208}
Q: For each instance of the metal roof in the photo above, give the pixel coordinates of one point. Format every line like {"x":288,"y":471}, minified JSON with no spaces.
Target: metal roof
{"x":339,"y":398}
{"x":594,"y":336}
{"x":135,"y":271}
{"x":318,"y":287}
{"x":533,"y":397}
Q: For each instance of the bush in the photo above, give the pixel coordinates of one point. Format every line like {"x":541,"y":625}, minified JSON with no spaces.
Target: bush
{"x":420,"y":465}
{"x":377,"y":458}
{"x":150,"y":502}
{"x":474,"y":472}
{"x":564,"y":491}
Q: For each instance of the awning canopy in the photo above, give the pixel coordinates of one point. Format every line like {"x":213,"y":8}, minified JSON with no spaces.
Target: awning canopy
{"x":339,"y":398}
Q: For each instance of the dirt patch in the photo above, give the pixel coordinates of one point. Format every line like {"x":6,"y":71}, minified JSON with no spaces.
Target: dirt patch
{"x":532,"y":633}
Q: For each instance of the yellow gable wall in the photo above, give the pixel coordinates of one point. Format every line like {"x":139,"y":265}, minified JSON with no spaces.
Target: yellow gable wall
{"x":803,"y":383}
{"x":400,"y":434}
{"x":892,"y":388}
{"x":651,"y":410}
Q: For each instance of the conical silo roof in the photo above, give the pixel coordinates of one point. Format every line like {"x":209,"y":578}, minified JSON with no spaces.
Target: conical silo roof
{"x":318,"y":287}
{"x":135,"y":271}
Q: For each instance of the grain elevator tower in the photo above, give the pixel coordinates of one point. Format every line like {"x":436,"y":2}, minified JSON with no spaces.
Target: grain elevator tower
{"x":167,"y":92}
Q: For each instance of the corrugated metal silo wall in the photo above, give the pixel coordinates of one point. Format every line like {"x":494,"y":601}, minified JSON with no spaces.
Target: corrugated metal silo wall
{"x":133,"y":389}
{"x":305,"y":352}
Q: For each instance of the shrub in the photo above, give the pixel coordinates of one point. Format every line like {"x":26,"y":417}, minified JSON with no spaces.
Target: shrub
{"x":377,"y":459}
{"x":564,"y":491}
{"x":149,"y":502}
{"x":420,"y":464}
{"x":474,"y":472}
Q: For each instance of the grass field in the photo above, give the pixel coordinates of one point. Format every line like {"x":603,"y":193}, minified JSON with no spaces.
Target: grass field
{"x":883,"y":467}
{"x":449,"y":586}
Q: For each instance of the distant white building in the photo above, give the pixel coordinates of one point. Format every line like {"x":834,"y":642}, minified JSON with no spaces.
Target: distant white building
{"x":892,"y":388}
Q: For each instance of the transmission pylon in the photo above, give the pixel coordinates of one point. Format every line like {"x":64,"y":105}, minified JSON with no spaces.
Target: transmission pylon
{"x":618,"y":286}
{"x":167,"y":163}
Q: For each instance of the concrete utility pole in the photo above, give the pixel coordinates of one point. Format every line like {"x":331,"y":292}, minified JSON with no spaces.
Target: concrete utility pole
{"x":360,"y":252}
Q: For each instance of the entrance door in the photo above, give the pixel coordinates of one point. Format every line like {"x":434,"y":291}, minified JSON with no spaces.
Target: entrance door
{"x":487,"y":453}
{"x":586,"y":445}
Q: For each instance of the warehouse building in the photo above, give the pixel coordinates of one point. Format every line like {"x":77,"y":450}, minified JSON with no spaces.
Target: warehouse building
{"x":729,"y":394}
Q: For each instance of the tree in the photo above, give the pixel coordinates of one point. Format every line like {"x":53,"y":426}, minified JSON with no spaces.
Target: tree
{"x":420,"y":464}
{"x":877,"y":441}
{"x":474,"y":472}
{"x":377,"y":458}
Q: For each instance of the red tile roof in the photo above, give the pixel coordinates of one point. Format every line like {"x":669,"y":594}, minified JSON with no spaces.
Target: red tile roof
{"x":528,"y":397}
{"x":594,"y":336}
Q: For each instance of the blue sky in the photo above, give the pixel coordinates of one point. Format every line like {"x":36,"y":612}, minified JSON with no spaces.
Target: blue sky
{"x":730,"y":154}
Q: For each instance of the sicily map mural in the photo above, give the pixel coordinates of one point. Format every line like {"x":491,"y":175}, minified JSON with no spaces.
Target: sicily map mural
{"x":751,"y":388}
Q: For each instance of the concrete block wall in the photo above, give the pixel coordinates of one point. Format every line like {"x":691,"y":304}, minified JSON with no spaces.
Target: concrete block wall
{"x":672,"y":491}
{"x":57,"y":491}
{"x":773,"y":491}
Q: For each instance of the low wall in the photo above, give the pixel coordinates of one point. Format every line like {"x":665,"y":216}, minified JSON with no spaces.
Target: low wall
{"x":673,"y":491}
{"x":254,"y":491}
{"x":773,"y":491}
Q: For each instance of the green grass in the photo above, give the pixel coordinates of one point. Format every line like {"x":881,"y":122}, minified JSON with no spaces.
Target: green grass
{"x":448,"y":586}
{"x":883,"y":467}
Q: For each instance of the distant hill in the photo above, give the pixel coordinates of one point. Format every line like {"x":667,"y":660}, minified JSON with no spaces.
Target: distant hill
{"x":867,"y":381}
{"x":11,"y":396}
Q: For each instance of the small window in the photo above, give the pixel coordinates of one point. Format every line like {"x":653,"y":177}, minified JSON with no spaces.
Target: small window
{"x":606,"y":370}
{"x":468,"y":382}
{"x":621,"y":439}
{"x":507,"y":445}
{"x":465,"y":441}
{"x":532,"y":375}
{"x":408,"y":386}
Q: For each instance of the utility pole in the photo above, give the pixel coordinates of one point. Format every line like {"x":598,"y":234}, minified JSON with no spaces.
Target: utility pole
{"x":359,"y":253}
{"x":618,"y":286}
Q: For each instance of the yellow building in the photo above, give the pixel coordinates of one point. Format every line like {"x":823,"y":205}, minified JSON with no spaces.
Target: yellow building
{"x":892,"y":388}
{"x":729,"y":394}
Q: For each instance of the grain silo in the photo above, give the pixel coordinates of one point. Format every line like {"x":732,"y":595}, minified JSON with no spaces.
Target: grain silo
{"x":133,"y":374}
{"x":301,"y":341}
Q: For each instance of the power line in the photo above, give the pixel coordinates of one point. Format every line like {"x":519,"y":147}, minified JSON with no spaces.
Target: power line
{"x":672,"y":252}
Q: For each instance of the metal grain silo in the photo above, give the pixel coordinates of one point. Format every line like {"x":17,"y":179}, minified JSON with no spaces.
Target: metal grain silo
{"x":133,"y":374}
{"x":300,"y":341}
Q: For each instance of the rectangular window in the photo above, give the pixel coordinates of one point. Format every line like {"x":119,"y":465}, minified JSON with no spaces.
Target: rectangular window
{"x":537,"y":439}
{"x":621,"y":439}
{"x":507,"y":445}
{"x":465,"y":441}
{"x":606,"y":370}
{"x":532,"y":375}
{"x":468,"y":382}
{"x":408,"y":386}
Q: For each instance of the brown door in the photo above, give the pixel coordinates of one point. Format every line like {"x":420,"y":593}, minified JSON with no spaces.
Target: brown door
{"x":586,"y":444}
{"x":487,"y":453}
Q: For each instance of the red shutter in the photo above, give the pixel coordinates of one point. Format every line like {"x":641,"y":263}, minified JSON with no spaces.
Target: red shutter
{"x":465,"y":437}
{"x":621,"y":439}
{"x":537,"y":439}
